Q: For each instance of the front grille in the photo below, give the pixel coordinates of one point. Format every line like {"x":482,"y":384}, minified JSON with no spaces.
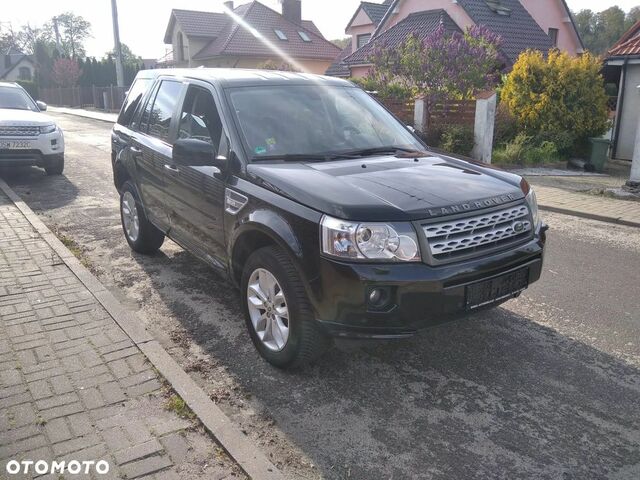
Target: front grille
{"x":21,"y":131}
{"x":473,"y":236}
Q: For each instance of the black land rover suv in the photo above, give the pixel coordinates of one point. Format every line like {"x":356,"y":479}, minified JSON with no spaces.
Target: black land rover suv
{"x":330,"y":215}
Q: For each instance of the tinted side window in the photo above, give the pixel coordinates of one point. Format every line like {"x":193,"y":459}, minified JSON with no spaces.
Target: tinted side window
{"x":163,"y":108}
{"x":199,"y":117}
{"x":135,"y":96}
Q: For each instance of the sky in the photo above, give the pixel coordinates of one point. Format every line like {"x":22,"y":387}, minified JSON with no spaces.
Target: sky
{"x":143,"y":22}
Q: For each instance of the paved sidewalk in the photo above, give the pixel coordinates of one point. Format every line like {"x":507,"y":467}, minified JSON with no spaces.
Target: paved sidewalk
{"x":589,"y":206}
{"x":73,"y":386}
{"x":79,"y":112}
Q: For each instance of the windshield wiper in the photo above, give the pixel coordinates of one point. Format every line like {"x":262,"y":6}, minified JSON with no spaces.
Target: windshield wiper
{"x":367,"y":152}
{"x":293,"y":157}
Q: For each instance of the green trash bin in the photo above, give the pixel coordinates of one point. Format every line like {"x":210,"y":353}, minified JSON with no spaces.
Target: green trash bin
{"x":599,"y":153}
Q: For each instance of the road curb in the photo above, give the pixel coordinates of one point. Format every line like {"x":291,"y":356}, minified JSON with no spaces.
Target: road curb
{"x":590,"y":216}
{"x":237,"y":445}
{"x":82,"y":114}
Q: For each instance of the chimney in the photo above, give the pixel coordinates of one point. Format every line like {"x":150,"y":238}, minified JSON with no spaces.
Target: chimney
{"x":292,"y":10}
{"x":229,"y":5}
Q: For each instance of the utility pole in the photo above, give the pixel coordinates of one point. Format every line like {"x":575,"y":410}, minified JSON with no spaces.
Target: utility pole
{"x":57,"y":31}
{"x":117,"y":45}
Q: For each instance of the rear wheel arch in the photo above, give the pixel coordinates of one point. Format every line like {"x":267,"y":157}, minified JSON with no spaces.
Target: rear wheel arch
{"x":121,"y":175}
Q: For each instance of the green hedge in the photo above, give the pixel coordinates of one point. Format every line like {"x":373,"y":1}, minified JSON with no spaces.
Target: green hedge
{"x":31,"y":87}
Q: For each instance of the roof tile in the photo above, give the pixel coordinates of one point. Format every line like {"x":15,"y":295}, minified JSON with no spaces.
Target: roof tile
{"x":629,"y":44}
{"x":421,"y":24}
{"x":519,"y":31}
{"x":236,"y":40}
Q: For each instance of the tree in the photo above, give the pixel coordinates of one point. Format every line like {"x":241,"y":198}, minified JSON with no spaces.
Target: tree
{"x":554,"y":94}
{"x":29,"y":36}
{"x":279,"y":66}
{"x":66,"y":72}
{"x":74,"y":30}
{"x":600,"y":31}
{"x":342,"y":42}
{"x":443,"y":65}
{"x":128,"y":57}
{"x":8,"y":38}
{"x":632,"y":17}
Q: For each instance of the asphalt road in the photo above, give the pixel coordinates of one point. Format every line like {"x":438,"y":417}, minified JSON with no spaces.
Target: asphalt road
{"x":546,"y":387}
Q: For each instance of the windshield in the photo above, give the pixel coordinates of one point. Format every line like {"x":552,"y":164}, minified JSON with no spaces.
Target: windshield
{"x":16,"y":99}
{"x":314,"y":120}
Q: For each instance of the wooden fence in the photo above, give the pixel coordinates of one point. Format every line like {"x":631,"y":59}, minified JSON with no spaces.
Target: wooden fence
{"x":449,"y":112}
{"x":101,"y":98}
{"x":401,"y":108}
{"x":453,"y":112}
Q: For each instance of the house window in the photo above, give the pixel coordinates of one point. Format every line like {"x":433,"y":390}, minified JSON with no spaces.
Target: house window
{"x":24,"y":73}
{"x":553,"y":35}
{"x":363,"y":39}
{"x":181,"y":55}
{"x":304,"y":37}
{"x":281,"y":35}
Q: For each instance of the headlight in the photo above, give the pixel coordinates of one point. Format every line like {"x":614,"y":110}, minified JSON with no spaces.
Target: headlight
{"x":48,"y":128}
{"x":391,"y":242}
{"x":532,"y":201}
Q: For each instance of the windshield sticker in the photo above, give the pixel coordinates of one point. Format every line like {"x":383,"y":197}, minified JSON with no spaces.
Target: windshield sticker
{"x":271,"y":142}
{"x":260,"y":150}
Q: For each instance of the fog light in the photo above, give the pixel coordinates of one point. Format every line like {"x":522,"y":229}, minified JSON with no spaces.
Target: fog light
{"x":378,"y":298}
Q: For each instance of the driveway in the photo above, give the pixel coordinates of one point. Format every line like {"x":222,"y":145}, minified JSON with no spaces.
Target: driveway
{"x":546,"y":387}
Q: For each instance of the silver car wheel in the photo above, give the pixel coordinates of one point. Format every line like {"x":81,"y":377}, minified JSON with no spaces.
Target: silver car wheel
{"x":268,"y":309}
{"x":130,"y":217}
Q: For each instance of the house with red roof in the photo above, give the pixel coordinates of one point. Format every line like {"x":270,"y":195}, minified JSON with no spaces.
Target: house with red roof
{"x":624,"y":60}
{"x":522,"y":24}
{"x":248,"y":36}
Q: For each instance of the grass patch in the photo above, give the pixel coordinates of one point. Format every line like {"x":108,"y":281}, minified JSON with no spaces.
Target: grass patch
{"x":178,"y":406}
{"x":75,"y":249}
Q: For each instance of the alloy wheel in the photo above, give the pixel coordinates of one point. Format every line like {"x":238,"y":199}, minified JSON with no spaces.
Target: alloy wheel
{"x":268,"y":309}
{"x":130,"y":216}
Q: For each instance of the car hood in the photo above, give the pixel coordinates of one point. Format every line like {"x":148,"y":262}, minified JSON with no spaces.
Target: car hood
{"x":12,"y":117}
{"x":389,"y":188}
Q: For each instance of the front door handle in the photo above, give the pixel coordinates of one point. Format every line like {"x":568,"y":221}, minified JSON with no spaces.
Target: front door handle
{"x":172,"y":168}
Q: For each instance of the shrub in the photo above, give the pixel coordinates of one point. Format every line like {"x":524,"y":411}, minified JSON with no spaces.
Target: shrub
{"x":457,"y":139}
{"x":506,"y":126}
{"x":565,"y":142}
{"x":547,"y":152}
{"x":557,"y":93}
{"x":523,"y":149}
{"x":31,"y":87}
{"x":513,"y":151}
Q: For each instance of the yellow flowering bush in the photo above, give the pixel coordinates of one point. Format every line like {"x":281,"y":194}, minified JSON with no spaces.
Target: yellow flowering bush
{"x":557,"y":93}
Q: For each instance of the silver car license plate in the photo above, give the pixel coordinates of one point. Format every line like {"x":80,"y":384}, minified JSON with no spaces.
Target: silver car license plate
{"x":15,"y":145}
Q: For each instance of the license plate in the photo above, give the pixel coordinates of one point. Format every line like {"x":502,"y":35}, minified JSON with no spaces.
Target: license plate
{"x":15,"y":145}
{"x":497,"y":289}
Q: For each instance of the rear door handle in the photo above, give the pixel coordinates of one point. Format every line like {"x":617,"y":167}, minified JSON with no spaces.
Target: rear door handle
{"x":136,"y":151}
{"x":172,"y":168}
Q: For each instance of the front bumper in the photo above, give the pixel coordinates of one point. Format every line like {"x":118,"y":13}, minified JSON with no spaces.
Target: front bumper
{"x":422,"y":295}
{"x":43,"y":147}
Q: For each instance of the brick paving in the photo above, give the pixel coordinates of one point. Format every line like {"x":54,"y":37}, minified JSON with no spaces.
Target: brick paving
{"x":581,"y":204}
{"x":73,"y":386}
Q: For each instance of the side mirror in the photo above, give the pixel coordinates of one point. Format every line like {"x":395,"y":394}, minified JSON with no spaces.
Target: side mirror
{"x":41,"y":105}
{"x":197,"y":153}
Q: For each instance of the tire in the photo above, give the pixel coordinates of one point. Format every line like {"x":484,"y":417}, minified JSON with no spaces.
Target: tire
{"x":141,"y":235}
{"x":306,"y":340}
{"x":54,"y":165}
